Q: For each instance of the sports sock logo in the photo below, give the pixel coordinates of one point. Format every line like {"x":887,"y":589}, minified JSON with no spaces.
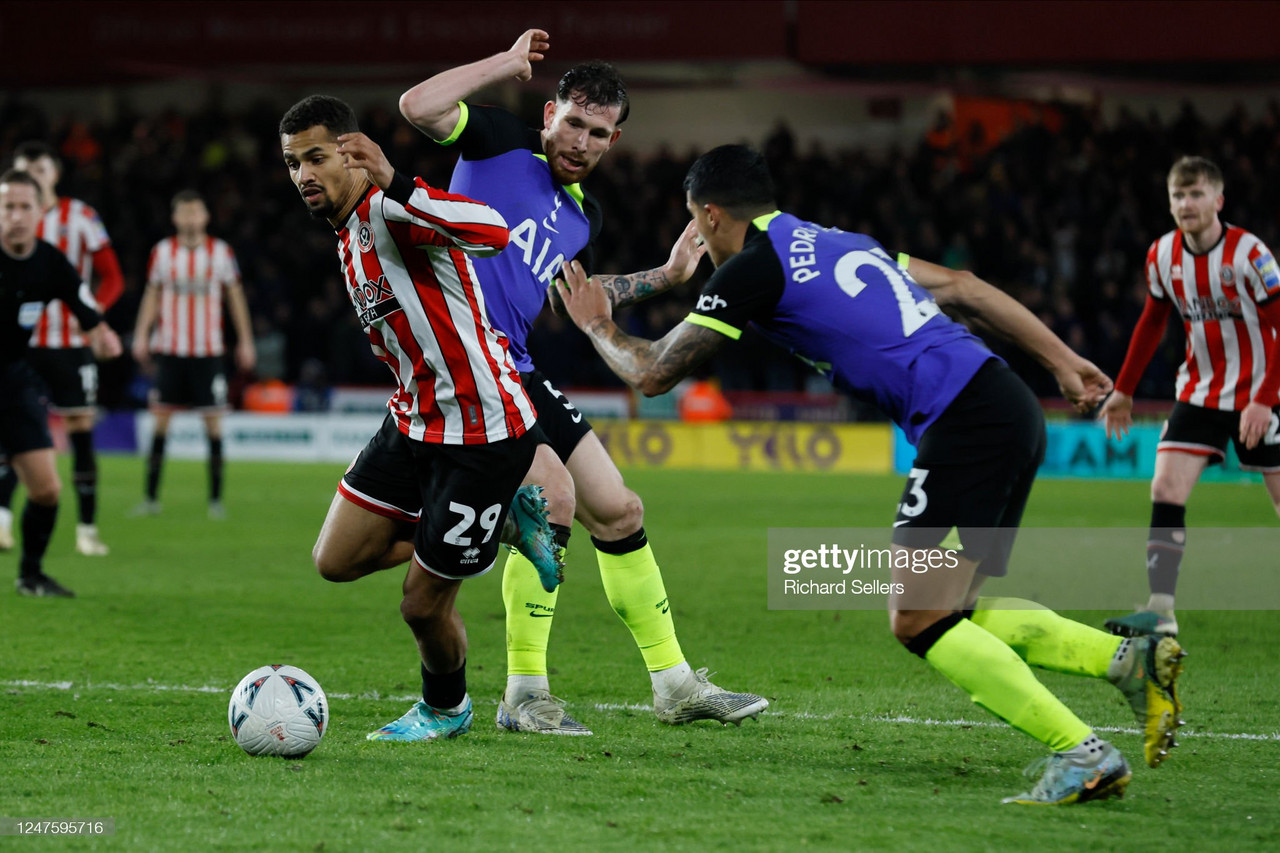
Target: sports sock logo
{"x":662,"y":605}
{"x":540,"y":610}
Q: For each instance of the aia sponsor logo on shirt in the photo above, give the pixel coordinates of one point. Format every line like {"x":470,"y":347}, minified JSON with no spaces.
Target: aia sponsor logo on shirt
{"x":364,"y":236}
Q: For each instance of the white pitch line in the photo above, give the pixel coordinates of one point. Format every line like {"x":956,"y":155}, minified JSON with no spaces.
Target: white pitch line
{"x":70,"y":686}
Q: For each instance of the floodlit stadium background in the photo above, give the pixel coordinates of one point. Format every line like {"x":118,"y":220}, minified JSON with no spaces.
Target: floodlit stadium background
{"x":1025,"y":141}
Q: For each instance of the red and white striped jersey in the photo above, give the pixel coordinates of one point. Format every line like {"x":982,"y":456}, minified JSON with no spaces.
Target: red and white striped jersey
{"x":1218,"y":293}
{"x":75,"y":229}
{"x":410,"y":278}
{"x":192,"y":283}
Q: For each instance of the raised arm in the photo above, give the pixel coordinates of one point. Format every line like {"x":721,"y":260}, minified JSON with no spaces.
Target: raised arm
{"x":961,"y":293}
{"x":449,"y":219}
{"x":432,"y":105}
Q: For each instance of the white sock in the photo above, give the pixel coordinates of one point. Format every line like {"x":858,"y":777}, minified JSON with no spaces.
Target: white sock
{"x":1088,"y":750}
{"x":6,"y":517}
{"x":668,"y":682}
{"x":1160,"y":602}
{"x":519,"y":686}
{"x":456,"y":709}
{"x":1122,"y":662}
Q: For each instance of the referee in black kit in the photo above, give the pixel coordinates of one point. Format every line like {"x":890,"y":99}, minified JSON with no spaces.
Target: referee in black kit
{"x":32,"y":272}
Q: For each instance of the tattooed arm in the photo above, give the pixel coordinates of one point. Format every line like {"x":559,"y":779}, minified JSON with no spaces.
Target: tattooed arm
{"x":651,"y":367}
{"x":624,"y":290}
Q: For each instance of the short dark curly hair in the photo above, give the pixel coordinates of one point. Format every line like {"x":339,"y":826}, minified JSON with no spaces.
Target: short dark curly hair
{"x":735,"y":177}
{"x":597,"y":83}
{"x":331,"y":113}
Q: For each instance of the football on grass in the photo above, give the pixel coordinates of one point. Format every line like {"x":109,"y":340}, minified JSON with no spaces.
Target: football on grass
{"x":278,"y":710}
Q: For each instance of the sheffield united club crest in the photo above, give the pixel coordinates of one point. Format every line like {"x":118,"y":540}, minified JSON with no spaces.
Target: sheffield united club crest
{"x":364,"y":236}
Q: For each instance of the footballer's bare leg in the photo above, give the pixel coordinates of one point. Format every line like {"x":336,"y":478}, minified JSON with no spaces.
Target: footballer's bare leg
{"x":614,"y":515}
{"x":1272,"y":481}
{"x":428,"y":608}
{"x":605,"y":506}
{"x":354,"y":542}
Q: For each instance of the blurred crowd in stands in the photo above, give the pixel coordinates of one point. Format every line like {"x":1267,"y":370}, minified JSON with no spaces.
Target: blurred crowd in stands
{"x":1058,"y":213}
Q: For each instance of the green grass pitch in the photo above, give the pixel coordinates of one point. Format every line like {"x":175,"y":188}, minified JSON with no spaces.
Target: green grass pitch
{"x":113,"y":705}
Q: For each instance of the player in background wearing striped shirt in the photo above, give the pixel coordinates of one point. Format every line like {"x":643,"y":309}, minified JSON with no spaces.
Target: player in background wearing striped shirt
{"x":189,"y":277}
{"x":1224,"y":283}
{"x":433,"y":486}
{"x":533,"y":177}
{"x":59,"y":351}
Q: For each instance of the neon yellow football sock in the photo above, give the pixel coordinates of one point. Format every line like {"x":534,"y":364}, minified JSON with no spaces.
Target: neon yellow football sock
{"x":1044,"y":639}
{"x":530,"y":609}
{"x":995,"y":678}
{"x":633,"y":584}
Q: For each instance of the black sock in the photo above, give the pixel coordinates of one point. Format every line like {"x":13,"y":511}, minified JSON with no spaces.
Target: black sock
{"x":443,"y":691}
{"x":37,"y":530}
{"x":634,"y":542}
{"x":215,"y":470}
{"x":561,"y":533}
{"x":84,"y":475}
{"x":154,"y":462}
{"x":1164,"y":546}
{"x":8,"y":482}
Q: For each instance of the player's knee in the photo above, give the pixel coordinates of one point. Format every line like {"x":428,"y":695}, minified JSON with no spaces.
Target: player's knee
{"x":560,"y":501}
{"x":904,"y":625}
{"x":421,"y":612}
{"x":330,"y":566}
{"x":45,"y":493}
{"x":629,"y":515}
{"x":1165,"y":491}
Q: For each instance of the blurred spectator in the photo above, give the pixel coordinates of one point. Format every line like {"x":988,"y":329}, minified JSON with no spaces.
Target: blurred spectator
{"x":1058,"y":213}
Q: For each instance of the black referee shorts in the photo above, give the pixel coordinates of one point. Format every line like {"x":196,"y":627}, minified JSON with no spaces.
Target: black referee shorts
{"x":974,"y":469}
{"x":24,"y":422}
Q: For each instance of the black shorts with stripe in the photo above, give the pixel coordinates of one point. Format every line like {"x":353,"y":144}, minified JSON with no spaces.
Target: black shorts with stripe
{"x":70,"y":376}
{"x":1206,"y":432}
{"x":24,"y":420}
{"x":457,"y":494}
{"x":974,"y":469}
{"x":560,"y":424}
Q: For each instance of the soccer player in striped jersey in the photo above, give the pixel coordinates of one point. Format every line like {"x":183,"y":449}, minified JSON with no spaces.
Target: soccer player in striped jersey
{"x":534,"y":178}
{"x":457,"y":440}
{"x":1224,"y":283}
{"x":877,"y":330}
{"x":32,"y":274}
{"x":189,"y":278}
{"x":59,"y":351}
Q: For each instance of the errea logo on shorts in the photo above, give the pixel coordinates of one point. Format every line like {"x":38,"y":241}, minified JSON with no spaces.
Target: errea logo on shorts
{"x":710,"y":302}
{"x":471,"y":555}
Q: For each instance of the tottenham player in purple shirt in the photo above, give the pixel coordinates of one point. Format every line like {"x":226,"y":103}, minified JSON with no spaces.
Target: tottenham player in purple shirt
{"x":875,"y":325}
